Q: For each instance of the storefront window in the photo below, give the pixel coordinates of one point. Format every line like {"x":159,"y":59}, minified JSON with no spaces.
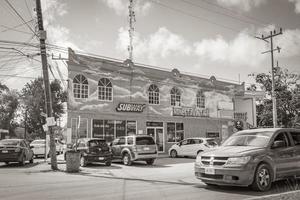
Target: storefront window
{"x":82,"y":131}
{"x":98,"y":128}
{"x":131,"y":127}
{"x":120,"y":128}
{"x":109,"y":130}
{"x":175,"y":132}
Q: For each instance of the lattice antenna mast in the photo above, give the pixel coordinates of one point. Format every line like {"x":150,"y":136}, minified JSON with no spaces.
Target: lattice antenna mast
{"x":131,"y":28}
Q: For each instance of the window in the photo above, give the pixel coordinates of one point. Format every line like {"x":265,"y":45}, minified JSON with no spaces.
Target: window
{"x":296,"y":137}
{"x":129,"y":140}
{"x":200,"y":99}
{"x":175,"y":97}
{"x":105,"y":90}
{"x":175,"y":132}
{"x":121,"y":141}
{"x":144,"y":141}
{"x":153,"y":92}
{"x":80,"y":87}
{"x":282,"y":137}
{"x":110,"y":129}
{"x":83,"y":128}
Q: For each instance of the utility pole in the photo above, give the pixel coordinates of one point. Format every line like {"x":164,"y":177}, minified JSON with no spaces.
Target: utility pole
{"x":42,"y":36}
{"x":264,"y":38}
{"x":131,"y":29}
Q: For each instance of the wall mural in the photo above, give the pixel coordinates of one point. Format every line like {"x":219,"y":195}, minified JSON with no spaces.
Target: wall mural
{"x":132,"y":86}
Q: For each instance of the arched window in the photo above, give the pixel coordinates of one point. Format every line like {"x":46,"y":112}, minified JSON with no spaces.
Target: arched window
{"x":105,"y":90}
{"x":80,"y":87}
{"x":200,"y":99}
{"x":175,"y":97}
{"x":153,"y":92}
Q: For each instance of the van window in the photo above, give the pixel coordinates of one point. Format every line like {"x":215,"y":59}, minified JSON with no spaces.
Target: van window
{"x":129,"y":140}
{"x":144,"y":141}
{"x":296,"y":137}
{"x":121,"y":141}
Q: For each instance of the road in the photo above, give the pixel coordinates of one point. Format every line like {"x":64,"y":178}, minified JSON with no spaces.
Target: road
{"x":168,"y":179}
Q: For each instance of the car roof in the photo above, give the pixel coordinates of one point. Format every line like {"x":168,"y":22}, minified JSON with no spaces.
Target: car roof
{"x":201,"y":138}
{"x":89,"y":139}
{"x":14,"y":139}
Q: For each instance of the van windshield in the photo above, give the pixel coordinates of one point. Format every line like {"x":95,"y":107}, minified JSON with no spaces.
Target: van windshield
{"x":247,"y":140}
{"x":144,"y":141}
{"x":97,"y":143}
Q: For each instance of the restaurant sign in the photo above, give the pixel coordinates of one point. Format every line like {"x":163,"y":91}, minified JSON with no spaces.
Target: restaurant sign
{"x":130,"y":107}
{"x":190,"y":112}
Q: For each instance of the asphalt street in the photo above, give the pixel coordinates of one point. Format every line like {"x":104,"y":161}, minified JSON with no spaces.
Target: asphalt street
{"x":168,"y":179}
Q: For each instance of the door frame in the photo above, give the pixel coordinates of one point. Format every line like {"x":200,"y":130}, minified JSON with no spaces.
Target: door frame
{"x":163,"y":136}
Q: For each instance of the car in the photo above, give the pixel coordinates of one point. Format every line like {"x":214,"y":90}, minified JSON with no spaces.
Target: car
{"x":191,"y":146}
{"x":38,"y":147}
{"x":93,"y":150}
{"x":134,"y":148}
{"x":255,"y":157}
{"x":15,"y":150}
{"x":60,"y":146}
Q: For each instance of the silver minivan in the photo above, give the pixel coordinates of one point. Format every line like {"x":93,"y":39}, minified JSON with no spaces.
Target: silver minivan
{"x":254,"y":157}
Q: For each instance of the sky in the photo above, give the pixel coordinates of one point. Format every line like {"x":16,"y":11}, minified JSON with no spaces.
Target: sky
{"x":200,"y":37}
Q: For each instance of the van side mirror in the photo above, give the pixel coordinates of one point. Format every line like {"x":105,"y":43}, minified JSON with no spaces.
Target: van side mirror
{"x":278,"y":144}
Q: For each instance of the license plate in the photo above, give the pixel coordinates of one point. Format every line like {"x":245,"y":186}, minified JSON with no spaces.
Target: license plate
{"x":209,"y":170}
{"x":146,"y":148}
{"x":101,"y":158}
{"x":4,"y":151}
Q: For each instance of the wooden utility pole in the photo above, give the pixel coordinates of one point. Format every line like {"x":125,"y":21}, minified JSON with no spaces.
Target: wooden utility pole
{"x":42,"y":36}
{"x":272,"y":34}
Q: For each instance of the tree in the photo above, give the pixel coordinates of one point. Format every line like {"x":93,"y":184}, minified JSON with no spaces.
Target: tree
{"x":287,"y":97}
{"x":8,"y":108}
{"x":34,"y":104}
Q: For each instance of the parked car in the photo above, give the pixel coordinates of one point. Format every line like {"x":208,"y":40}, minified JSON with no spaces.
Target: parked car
{"x":15,"y":150}
{"x":60,"y":146}
{"x":93,"y":150}
{"x":191,"y":147}
{"x":255,"y":157}
{"x":38,"y":147}
{"x":134,"y":148}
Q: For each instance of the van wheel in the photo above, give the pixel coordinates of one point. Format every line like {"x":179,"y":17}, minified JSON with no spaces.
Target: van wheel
{"x":83,"y":162}
{"x":173,"y":154}
{"x":126,"y":159}
{"x":262,"y":178}
{"x":150,"y":161}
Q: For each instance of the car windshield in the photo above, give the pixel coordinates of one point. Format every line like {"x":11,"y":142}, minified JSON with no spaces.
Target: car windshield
{"x":9,"y":142}
{"x":97,"y":143}
{"x":247,"y":140}
{"x":144,"y":141}
{"x":38,"y":142}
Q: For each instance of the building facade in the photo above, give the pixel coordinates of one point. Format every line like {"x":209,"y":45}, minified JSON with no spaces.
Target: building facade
{"x":109,"y":99}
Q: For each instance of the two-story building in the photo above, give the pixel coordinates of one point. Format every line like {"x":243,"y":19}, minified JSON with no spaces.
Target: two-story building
{"x":110,"y":98}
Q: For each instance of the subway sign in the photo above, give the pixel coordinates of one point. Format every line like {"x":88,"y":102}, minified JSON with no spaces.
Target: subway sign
{"x":130,"y":107}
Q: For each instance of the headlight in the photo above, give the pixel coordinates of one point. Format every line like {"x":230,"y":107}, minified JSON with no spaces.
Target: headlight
{"x":238,"y":160}
{"x":198,"y":159}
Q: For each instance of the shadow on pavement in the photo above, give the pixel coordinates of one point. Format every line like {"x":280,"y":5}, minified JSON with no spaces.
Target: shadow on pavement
{"x":142,"y":164}
{"x":17,"y":165}
{"x":178,"y":182}
{"x":277,"y":187}
{"x":101,"y":166}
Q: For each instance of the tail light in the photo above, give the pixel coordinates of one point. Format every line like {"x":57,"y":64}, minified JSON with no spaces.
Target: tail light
{"x":17,"y":150}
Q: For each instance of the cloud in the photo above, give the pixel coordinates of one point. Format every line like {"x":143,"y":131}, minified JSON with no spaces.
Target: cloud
{"x":245,"y":5}
{"x":297,"y":5}
{"x":53,"y":9}
{"x":162,"y":43}
{"x":121,"y":6}
{"x":243,"y":50}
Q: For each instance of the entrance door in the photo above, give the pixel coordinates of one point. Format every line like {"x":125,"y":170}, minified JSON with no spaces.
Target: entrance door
{"x":158,"y":134}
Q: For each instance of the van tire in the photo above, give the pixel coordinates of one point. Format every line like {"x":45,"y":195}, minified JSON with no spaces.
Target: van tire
{"x":262,"y":178}
{"x":127,"y":159}
{"x":173,"y":154}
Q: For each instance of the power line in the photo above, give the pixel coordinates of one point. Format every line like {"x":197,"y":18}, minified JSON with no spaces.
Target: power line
{"x":220,"y":13}
{"x":14,"y":27}
{"x":11,"y":6}
{"x":195,"y":16}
